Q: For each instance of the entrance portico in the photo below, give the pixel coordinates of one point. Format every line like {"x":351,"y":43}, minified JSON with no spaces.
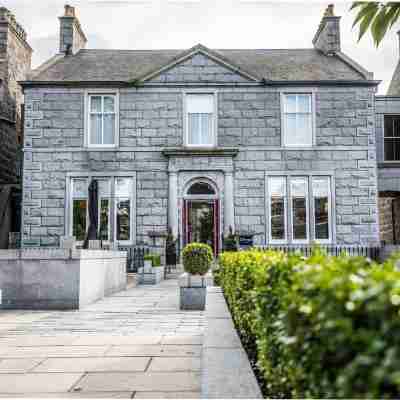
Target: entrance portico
{"x":187,"y":170}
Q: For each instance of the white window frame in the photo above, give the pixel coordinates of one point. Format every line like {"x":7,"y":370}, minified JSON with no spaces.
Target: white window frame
{"x":285,"y":204}
{"x":88,"y":97}
{"x":284,"y":134}
{"x":112,"y":218}
{"x":389,"y":137}
{"x":290,"y":209}
{"x":214,"y":134}
{"x":310,"y":208}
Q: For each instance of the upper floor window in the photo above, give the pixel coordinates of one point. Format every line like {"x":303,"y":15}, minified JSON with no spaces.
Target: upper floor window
{"x":102,"y":120}
{"x":392,"y":138}
{"x":297,"y":119}
{"x":200,"y":119}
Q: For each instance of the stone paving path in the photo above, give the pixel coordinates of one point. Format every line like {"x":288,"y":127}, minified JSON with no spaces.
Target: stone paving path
{"x":134,"y":344}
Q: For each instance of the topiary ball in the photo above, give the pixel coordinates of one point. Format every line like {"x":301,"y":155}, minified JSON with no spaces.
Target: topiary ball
{"x":197,"y":258}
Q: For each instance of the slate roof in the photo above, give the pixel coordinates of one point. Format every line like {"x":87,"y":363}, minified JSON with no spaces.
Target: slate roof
{"x":127,"y":65}
{"x":394,"y":87}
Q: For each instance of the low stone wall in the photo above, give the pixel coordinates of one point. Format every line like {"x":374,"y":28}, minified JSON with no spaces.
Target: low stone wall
{"x":226,"y":370}
{"x":59,"y":278}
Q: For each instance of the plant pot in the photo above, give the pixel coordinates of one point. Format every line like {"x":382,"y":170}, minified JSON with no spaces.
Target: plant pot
{"x":154,"y":276}
{"x":192,"y":290}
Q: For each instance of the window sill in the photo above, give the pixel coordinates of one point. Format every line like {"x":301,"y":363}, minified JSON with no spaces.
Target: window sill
{"x":389,"y":164}
{"x":101,"y":147}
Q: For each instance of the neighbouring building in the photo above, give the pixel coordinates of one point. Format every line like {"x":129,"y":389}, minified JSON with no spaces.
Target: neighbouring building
{"x":15,"y":64}
{"x":275,"y":143}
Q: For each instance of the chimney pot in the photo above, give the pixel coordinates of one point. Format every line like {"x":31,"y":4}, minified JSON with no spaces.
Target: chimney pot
{"x":69,"y":11}
{"x":327,"y":37}
{"x":72,"y":37}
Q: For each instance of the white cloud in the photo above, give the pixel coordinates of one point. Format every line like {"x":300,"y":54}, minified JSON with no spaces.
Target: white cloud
{"x":151,"y":24}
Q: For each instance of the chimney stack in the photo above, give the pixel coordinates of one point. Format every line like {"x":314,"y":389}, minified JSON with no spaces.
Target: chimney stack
{"x":327,"y":37}
{"x":72,"y":37}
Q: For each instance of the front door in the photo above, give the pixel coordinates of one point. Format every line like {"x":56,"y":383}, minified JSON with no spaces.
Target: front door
{"x":200,"y":220}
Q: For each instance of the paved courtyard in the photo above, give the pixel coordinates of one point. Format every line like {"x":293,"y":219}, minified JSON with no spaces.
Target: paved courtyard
{"x":134,"y":344}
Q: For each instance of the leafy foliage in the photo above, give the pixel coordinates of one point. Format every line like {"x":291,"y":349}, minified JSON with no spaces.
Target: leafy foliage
{"x":322,"y":327}
{"x":154,"y":258}
{"x":376,"y":16}
{"x":197,"y":258}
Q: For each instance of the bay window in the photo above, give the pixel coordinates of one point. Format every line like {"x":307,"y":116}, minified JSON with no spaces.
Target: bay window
{"x":115,"y":202}
{"x":297,"y":124}
{"x":102,"y":124}
{"x":299,"y":209}
{"x":200,"y":119}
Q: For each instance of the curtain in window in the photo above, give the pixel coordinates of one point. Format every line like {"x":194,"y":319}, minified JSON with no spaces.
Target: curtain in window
{"x":102,"y":119}
{"x":200,"y":110}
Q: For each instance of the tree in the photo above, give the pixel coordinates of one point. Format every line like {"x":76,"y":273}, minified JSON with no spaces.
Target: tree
{"x":375,"y":16}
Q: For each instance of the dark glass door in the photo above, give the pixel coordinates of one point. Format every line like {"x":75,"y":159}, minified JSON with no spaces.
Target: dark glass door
{"x":201,"y":222}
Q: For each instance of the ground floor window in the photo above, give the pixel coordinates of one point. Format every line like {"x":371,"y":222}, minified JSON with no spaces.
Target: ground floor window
{"x":115,"y":201}
{"x":299,"y":209}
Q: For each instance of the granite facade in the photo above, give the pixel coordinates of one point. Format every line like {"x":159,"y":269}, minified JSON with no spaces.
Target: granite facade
{"x":249,"y":119}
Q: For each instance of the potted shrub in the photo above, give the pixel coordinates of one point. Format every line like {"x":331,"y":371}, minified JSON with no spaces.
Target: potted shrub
{"x":152,"y":272}
{"x":196,"y":259}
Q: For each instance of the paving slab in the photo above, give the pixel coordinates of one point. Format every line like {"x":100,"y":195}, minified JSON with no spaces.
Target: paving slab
{"x":18,"y":365}
{"x":182,"y":339}
{"x":92,"y":340}
{"x":93,"y":364}
{"x":167,"y":395}
{"x":37,"y":383}
{"x":169,"y":364}
{"x":37,"y":340}
{"x":71,"y":395}
{"x":156,"y":351}
{"x":55,"y":351}
{"x":140,"y":381}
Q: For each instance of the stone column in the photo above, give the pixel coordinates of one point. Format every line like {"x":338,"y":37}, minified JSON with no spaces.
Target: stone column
{"x":229,"y":219}
{"x":173,"y":203}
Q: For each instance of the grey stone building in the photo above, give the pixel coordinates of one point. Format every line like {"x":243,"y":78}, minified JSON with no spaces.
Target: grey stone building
{"x":15,"y":64}
{"x":388,"y":159}
{"x":278,"y":143}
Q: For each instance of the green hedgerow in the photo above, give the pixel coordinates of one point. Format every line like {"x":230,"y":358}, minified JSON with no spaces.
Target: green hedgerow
{"x":154,"y":258}
{"x":197,"y":258}
{"x":318,"y":327}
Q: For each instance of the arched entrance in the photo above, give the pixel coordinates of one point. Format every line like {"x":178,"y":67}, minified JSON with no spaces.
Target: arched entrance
{"x":201,"y":213}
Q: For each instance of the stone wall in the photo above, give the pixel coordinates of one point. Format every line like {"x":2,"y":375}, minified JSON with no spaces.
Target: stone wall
{"x":248,"y":118}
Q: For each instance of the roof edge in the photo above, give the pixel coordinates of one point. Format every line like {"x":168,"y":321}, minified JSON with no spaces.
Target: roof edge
{"x":46,"y":65}
{"x":355,"y":65}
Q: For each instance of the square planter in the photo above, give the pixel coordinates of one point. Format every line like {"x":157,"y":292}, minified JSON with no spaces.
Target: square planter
{"x":150,"y":276}
{"x":192,"y":290}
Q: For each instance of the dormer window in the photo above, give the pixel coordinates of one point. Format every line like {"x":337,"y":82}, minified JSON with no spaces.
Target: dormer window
{"x":200,"y":120}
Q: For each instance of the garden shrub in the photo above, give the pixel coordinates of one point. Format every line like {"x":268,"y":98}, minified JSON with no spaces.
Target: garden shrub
{"x":154,"y":258}
{"x":197,"y":258}
{"x":318,"y":327}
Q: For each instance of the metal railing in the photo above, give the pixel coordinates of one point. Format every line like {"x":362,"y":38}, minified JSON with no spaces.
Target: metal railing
{"x":135,"y":257}
{"x":372,"y":252}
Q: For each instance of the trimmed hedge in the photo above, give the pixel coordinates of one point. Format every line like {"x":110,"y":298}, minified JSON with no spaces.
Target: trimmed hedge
{"x":154,"y":258}
{"x":318,"y":327}
{"x":197,"y":258}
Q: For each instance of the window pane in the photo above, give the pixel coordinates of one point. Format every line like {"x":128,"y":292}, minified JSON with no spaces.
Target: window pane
{"x":123,"y":187}
{"x":396,"y":126}
{"x":79,"y":188}
{"x":95,"y":104}
{"x":290,"y":129}
{"x":303,"y":134}
{"x":390,"y":154}
{"x":109,"y":104}
{"x":290,"y":103}
{"x":201,"y":188}
{"x":200,"y":103}
{"x":103,"y":187}
{"x":320,"y":187}
{"x":304,"y":103}
{"x":298,"y":190}
{"x":206,"y":128}
{"x":79,"y":208}
{"x":123,"y":209}
{"x":277,"y":218}
{"x":109,"y":128}
{"x":321,"y":206}
{"x":277,"y":186}
{"x":194,"y":136}
{"x":95,"y":128}
{"x":104,"y":219}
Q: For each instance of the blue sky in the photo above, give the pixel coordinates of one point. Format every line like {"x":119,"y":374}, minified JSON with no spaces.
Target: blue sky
{"x":151,"y":24}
